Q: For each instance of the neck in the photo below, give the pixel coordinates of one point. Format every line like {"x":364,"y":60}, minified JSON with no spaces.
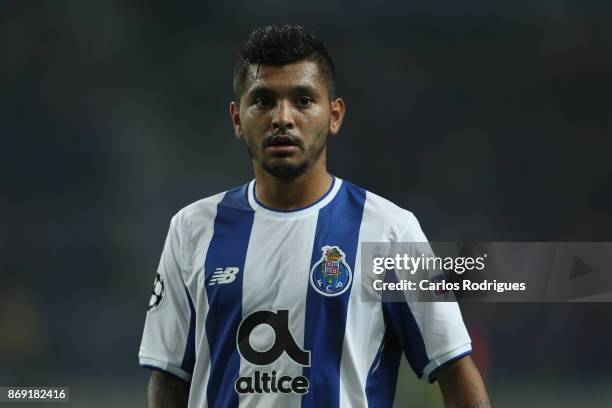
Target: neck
{"x":294,"y":193}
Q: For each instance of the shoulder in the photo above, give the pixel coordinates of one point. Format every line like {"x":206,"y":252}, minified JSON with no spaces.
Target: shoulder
{"x":400,"y":223}
{"x":197,"y":214}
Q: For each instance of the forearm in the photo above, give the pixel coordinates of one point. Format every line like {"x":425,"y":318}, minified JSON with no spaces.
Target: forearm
{"x":462,"y":386}
{"x":167,"y":391}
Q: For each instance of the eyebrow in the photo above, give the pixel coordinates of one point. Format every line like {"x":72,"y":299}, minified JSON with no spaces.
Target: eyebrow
{"x":300,"y":89}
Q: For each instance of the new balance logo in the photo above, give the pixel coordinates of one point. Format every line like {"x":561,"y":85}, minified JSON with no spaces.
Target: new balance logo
{"x":224,"y":276}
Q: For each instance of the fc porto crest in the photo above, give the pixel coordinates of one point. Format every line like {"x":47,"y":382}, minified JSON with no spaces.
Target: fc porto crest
{"x":331,"y":276}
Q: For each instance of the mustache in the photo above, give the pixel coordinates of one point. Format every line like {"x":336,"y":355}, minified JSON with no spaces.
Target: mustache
{"x":283,"y":138}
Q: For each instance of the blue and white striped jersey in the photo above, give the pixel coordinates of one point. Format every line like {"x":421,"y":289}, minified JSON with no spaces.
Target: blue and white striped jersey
{"x":261,"y":308}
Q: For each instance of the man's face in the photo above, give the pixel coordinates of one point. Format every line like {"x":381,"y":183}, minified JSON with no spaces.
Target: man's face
{"x":284,"y":117}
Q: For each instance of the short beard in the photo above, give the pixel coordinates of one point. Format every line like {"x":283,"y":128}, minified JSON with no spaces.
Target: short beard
{"x":288,"y":171}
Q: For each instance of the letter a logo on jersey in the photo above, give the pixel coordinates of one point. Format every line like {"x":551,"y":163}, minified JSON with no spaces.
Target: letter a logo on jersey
{"x":331,"y":275}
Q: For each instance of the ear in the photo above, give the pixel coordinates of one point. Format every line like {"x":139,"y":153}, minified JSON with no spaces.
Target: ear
{"x":234,"y":111}
{"x":337,"y":116}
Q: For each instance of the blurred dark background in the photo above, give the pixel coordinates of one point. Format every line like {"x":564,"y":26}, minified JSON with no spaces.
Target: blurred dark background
{"x":488,"y":121}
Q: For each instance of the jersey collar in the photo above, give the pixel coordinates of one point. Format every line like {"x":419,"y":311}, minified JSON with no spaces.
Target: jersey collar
{"x":317,"y":205}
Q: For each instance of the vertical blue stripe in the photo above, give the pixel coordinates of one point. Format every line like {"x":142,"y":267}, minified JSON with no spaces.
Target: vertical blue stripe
{"x":228,"y":248}
{"x":189,"y":355}
{"x":382,"y":376}
{"x":399,"y":318}
{"x":338,"y":224}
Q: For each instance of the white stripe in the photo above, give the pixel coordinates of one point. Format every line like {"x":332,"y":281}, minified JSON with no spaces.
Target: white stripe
{"x":197,"y":394}
{"x":364,"y":321}
{"x":199,"y":221}
{"x":276,"y":272}
{"x":440,"y":323}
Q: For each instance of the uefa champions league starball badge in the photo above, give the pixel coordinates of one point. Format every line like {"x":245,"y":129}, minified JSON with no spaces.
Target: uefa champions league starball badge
{"x":331,"y":275}
{"x":158,"y":293}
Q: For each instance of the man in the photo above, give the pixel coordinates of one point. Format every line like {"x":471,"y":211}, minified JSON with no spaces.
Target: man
{"x":255,"y":300}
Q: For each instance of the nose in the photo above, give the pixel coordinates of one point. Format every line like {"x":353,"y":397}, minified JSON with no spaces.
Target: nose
{"x":282,"y":117}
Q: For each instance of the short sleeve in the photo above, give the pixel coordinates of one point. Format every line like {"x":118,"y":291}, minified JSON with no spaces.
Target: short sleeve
{"x":168,"y":338}
{"x":431,"y":334}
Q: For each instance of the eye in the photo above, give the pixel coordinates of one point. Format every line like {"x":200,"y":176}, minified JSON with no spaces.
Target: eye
{"x":304,"y":101}
{"x":263,"y":101}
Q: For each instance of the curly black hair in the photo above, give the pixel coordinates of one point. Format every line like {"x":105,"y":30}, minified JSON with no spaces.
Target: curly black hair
{"x":281,"y":45}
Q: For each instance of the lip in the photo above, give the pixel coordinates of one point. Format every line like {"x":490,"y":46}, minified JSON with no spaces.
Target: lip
{"x":282,"y":148}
